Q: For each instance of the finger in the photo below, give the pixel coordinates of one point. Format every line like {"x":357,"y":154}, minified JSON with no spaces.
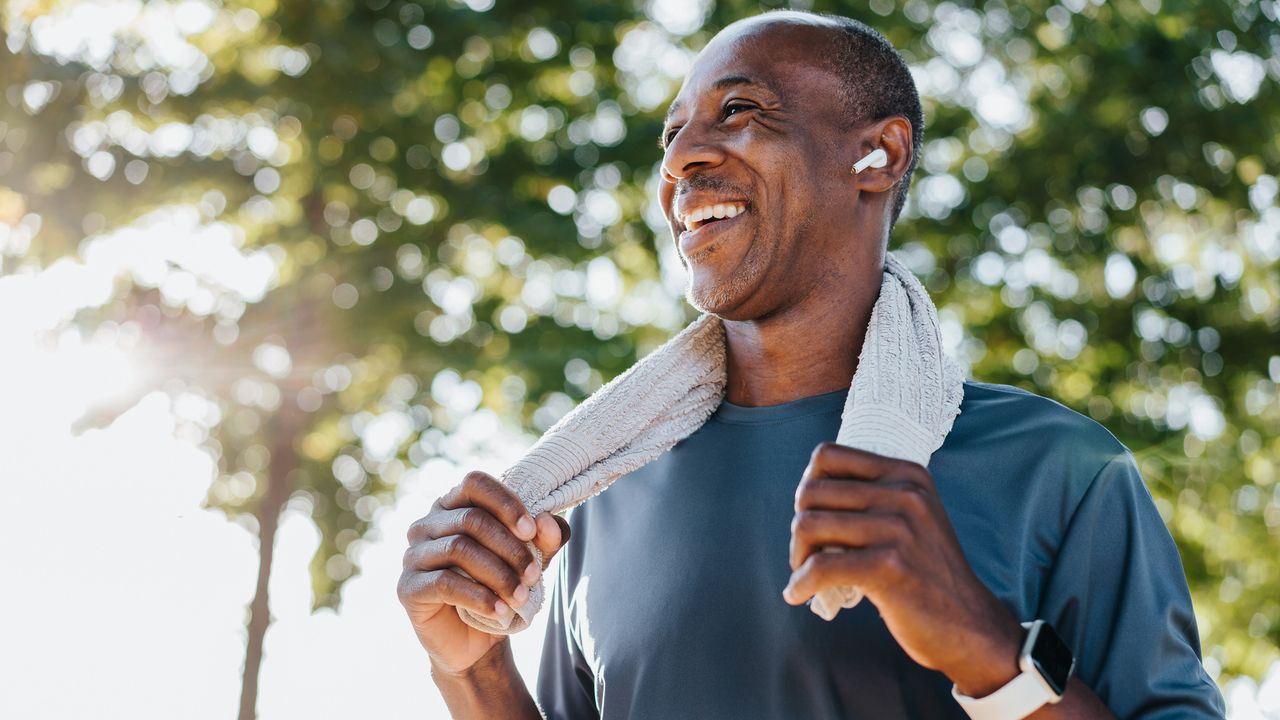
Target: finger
{"x":447,"y":587}
{"x":548,"y":539}
{"x":478,"y":561}
{"x":565,"y":531}
{"x":841,"y":494}
{"x":483,"y":490}
{"x":553,"y":534}
{"x":811,"y":529}
{"x":481,"y":525}
{"x":864,"y":568}
{"x":831,"y":459}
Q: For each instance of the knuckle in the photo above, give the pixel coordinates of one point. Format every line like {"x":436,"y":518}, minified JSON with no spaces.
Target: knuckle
{"x":456,"y":547}
{"x":434,"y":583}
{"x":809,"y":488}
{"x":915,"y":499}
{"x":472,"y":521}
{"x":404,"y":591}
{"x":418,"y":529}
{"x":890,"y":562}
{"x":899,"y":528}
{"x":475,"y":479}
{"x":821,"y":563}
{"x":806,"y":521}
{"x":807,"y":566}
{"x":913,"y":470}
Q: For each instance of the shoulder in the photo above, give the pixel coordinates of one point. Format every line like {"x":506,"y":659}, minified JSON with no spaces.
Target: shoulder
{"x":1034,"y":448}
{"x":1003,"y":414}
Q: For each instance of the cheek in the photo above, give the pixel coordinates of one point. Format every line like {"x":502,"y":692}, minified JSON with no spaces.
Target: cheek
{"x":666,"y":191}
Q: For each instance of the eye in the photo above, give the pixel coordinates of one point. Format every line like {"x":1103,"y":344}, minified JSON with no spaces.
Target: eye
{"x":666,"y":139}
{"x":735,"y":107}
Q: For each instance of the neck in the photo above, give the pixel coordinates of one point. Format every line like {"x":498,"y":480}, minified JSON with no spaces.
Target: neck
{"x":802,"y":350}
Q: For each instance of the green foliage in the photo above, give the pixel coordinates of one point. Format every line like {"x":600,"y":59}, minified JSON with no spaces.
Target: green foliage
{"x":459,"y":204}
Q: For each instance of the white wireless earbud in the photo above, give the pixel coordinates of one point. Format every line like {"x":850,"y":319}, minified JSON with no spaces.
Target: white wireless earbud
{"x":876,"y":159}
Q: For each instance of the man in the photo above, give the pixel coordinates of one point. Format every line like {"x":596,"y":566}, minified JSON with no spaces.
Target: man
{"x":682,"y":592}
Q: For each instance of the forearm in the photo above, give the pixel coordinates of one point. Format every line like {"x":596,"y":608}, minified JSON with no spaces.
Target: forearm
{"x":489,"y":689}
{"x":1077,"y":702}
{"x":993,"y":663}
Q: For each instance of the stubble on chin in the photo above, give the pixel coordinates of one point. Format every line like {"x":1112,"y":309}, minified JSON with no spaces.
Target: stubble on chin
{"x":731,"y":291}
{"x":747,"y":277}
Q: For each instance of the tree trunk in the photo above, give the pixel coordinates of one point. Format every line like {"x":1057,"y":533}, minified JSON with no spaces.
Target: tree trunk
{"x":281,"y":430}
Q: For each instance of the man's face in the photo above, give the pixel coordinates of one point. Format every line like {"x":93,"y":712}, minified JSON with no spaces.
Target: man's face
{"x":755,"y":180}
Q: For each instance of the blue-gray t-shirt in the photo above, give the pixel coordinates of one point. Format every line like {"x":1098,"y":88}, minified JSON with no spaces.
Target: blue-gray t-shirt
{"x":669,"y":603}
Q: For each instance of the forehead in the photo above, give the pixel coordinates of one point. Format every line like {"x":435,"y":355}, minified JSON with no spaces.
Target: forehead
{"x":785,"y":56}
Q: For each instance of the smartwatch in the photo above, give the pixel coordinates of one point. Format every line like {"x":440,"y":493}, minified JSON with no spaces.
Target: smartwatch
{"x":1046,"y":663}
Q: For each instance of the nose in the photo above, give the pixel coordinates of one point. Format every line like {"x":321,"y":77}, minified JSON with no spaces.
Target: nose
{"x":690,"y":151}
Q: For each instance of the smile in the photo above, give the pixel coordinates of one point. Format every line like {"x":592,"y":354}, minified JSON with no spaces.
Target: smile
{"x":710,"y":213}
{"x":706,"y":229}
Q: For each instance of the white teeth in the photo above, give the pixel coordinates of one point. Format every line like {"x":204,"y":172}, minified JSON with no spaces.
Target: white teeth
{"x":695,"y":219}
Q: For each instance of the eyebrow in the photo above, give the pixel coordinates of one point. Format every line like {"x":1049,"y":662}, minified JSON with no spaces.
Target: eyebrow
{"x":725,"y":82}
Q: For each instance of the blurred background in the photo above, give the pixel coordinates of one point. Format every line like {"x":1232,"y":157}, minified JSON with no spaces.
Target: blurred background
{"x":274,"y":275}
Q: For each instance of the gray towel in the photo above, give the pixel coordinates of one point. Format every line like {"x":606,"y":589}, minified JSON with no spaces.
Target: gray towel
{"x":903,"y":400}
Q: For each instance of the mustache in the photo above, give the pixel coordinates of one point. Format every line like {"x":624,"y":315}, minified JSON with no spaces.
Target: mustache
{"x":709,"y":183}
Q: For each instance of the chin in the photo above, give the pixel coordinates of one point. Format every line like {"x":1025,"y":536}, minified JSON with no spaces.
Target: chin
{"x":727,"y":297}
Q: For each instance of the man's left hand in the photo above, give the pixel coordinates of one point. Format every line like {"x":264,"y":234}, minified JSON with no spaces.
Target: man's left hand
{"x":901,"y":551}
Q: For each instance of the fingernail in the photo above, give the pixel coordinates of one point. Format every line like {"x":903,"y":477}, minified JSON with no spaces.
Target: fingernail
{"x":520,"y":595}
{"x":531,"y":574}
{"x":525,"y":527}
{"x":502,"y":610}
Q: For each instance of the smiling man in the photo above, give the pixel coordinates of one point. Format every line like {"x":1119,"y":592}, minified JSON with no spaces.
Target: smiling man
{"x":1024,"y":571}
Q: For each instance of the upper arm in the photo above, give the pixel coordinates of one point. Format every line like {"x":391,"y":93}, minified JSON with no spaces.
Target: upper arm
{"x":1118,"y":595}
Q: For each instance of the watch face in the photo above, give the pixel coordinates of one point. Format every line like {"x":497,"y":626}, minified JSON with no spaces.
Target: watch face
{"x":1052,"y":658}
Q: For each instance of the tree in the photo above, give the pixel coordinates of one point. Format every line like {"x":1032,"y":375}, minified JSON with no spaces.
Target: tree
{"x":355,"y":226}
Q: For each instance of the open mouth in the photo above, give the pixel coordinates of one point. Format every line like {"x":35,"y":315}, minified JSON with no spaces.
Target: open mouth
{"x":705,"y":225}
{"x":708,"y":214}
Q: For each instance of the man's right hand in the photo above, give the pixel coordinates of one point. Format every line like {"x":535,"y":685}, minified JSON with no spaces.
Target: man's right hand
{"x":481,"y":527}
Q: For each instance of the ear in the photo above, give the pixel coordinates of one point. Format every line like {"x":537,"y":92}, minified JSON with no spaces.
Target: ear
{"x":893,"y":136}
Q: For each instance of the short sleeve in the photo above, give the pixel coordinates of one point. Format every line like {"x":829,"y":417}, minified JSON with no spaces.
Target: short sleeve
{"x":1117,"y":594}
{"x":565,"y":681}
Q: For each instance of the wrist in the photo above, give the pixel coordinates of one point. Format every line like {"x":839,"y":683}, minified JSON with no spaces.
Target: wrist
{"x":491,"y":687}
{"x":992,"y":662}
{"x":493,"y":663}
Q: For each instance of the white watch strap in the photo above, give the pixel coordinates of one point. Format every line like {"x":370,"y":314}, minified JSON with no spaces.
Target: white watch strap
{"x":1019,"y":698}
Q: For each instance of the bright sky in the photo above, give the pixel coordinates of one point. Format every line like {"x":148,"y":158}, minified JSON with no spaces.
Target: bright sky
{"x":125,"y":599}
{"x":130,"y":598}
